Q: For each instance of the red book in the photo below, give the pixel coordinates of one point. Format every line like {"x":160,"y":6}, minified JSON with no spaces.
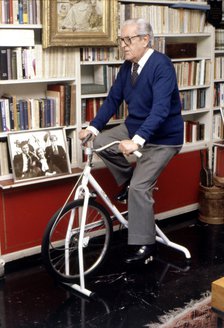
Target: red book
{"x":89,"y":109}
{"x":219,"y":169}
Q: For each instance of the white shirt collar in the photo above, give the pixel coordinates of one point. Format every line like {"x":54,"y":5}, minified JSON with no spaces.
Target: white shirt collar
{"x":144,"y":59}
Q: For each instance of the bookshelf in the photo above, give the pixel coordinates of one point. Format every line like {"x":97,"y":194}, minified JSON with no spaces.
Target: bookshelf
{"x":187,"y":26}
{"x":193,"y":72}
{"x":27,"y":73}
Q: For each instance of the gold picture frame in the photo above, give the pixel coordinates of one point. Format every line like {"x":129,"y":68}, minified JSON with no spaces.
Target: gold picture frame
{"x":79,"y":23}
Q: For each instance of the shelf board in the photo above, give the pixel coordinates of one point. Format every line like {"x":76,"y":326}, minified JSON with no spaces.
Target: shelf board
{"x":195,"y":111}
{"x":193,"y":87}
{"x":102,"y":62}
{"x":177,"y":60}
{"x":21,"y":26}
{"x":10,"y":184}
{"x":193,"y":146}
{"x":182,"y":35}
{"x":166,"y":2}
{"x":44,"y":80}
{"x":219,"y":80}
{"x":94,"y":95}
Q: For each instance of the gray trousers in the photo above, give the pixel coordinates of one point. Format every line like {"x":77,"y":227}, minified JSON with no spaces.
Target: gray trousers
{"x":141,"y":223}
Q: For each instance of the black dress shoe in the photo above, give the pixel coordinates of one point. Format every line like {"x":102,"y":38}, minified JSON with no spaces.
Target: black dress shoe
{"x":143,"y":254}
{"x":122,"y":196}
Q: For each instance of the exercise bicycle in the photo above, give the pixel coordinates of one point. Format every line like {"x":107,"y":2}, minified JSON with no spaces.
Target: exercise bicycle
{"x":77,"y":239}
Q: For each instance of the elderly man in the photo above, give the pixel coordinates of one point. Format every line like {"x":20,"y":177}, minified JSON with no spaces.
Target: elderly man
{"x":147,"y":82}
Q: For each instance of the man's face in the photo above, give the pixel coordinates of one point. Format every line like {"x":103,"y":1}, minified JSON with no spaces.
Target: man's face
{"x":138,"y":45}
{"x":40,"y":153}
{"x":53,"y":141}
{"x":25,"y":149}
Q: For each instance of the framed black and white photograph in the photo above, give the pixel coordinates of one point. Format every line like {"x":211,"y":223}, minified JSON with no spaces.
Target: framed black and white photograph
{"x":38,"y":154}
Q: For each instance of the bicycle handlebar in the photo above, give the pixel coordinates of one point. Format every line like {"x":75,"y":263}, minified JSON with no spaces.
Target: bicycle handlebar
{"x":136,"y":152}
{"x":88,"y":137}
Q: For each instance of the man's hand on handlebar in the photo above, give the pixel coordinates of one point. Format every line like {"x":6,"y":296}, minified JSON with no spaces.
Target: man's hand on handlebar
{"x":84,"y":133}
{"x":127,"y":147}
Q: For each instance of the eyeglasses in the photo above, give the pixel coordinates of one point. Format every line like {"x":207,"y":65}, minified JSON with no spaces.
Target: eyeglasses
{"x":128,"y":39}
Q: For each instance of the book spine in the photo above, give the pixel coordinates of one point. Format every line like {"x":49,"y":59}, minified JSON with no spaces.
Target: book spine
{"x":67,"y":104}
{"x":3,"y":64}
{"x":3,"y":116}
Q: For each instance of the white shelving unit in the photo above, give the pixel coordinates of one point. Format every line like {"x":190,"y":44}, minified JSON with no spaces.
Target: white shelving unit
{"x":205,"y":52}
{"x":32,"y":88}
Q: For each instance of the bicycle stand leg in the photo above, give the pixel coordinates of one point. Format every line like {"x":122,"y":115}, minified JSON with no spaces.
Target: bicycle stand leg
{"x":81,"y":288}
{"x":161,"y":237}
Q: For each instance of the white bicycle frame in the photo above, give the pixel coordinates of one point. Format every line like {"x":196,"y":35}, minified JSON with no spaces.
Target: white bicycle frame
{"x":83,"y":189}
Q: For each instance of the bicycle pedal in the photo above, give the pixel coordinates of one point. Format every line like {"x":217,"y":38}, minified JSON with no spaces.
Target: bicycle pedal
{"x":125,"y":201}
{"x":149,"y":259}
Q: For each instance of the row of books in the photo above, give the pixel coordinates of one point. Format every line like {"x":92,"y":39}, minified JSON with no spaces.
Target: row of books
{"x":191,"y":73}
{"x":193,"y":131}
{"x":218,"y":94}
{"x":90,"y":106}
{"x":20,"y":12}
{"x":165,"y":19}
{"x":159,"y":44}
{"x":58,"y":61}
{"x":219,"y":39}
{"x":190,"y":99}
{"x":36,"y":63}
{"x":91,"y":54}
{"x":19,"y":63}
{"x":57,"y":108}
{"x":219,"y":67}
{"x":193,"y":99}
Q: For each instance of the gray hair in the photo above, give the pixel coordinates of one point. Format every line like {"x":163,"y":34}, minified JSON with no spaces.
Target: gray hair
{"x":143,"y":28}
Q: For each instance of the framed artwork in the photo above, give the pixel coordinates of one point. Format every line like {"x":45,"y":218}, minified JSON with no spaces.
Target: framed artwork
{"x":38,"y":154}
{"x":79,"y":23}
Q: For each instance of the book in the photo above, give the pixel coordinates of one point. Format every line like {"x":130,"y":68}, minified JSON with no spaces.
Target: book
{"x":3,"y":123}
{"x":18,"y":59}
{"x":67,"y":104}
{"x":61,"y":89}
{"x":3,"y":64}
{"x":92,"y":88}
{"x":12,"y":110}
{"x":34,"y":113}
{"x":51,"y":94}
{"x":5,"y":166}
{"x":219,"y":161}
{"x":73,"y":104}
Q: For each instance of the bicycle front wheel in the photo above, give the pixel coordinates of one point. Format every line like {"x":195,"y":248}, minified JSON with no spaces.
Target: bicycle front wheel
{"x":62,"y":235}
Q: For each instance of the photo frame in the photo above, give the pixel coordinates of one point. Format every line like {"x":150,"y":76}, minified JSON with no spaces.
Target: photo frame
{"x":79,"y":23}
{"x":38,"y":154}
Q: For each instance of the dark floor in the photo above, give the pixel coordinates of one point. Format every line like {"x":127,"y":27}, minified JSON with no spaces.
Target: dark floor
{"x":126,"y":297}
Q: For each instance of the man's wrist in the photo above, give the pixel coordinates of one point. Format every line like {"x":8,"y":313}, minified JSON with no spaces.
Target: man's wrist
{"x":92,"y":129}
{"x":138,"y":141}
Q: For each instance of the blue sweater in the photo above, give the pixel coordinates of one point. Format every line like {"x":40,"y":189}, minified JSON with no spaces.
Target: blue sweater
{"x":154,"y":107}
